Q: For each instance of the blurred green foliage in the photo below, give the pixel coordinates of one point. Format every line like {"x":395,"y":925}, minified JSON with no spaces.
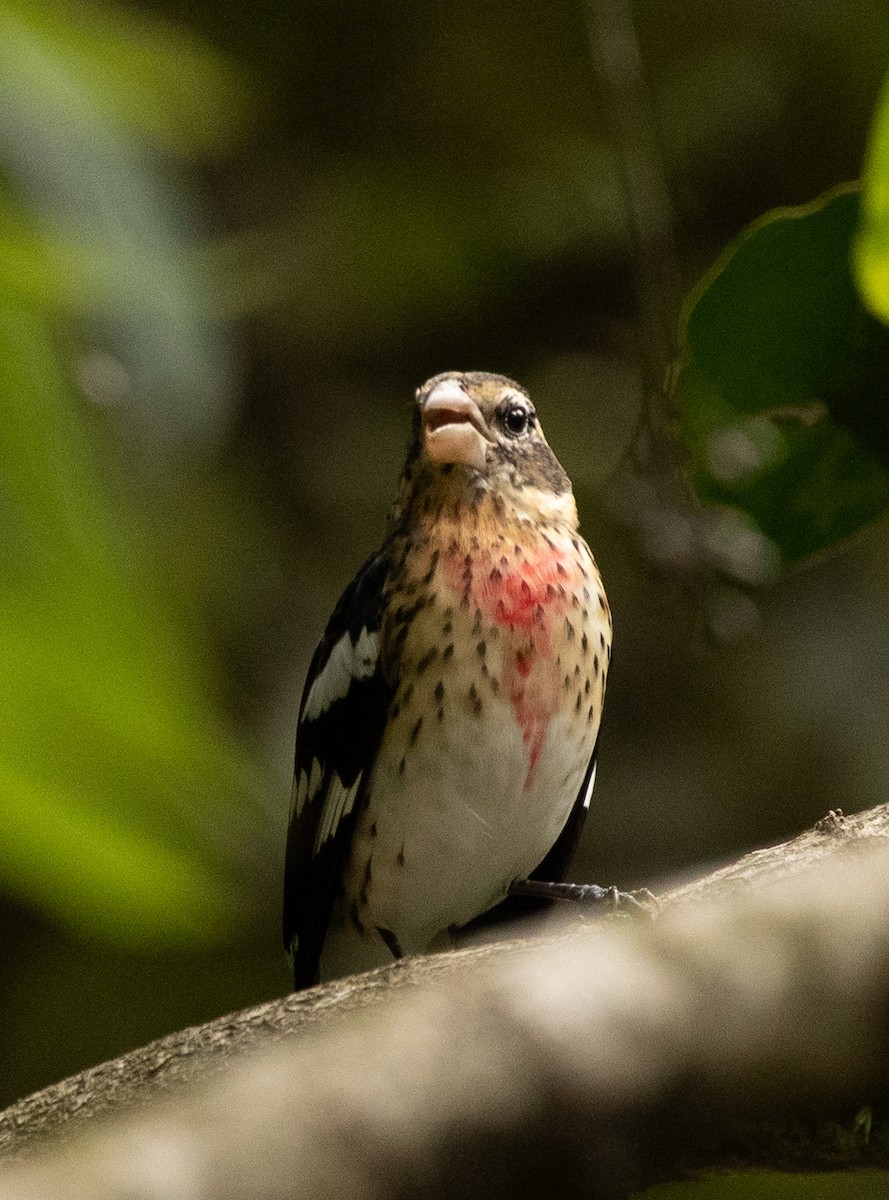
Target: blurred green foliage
{"x":107,"y":741}
{"x":782,"y":388}
{"x":871,"y":256}
{"x":233,"y":240}
{"x":772,"y":1185}
{"x":120,"y":778}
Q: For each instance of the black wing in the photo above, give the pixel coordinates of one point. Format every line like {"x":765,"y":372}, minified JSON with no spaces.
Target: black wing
{"x":341,"y":720}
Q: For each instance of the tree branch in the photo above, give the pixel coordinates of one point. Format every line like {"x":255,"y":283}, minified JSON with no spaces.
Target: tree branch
{"x":746,"y":1026}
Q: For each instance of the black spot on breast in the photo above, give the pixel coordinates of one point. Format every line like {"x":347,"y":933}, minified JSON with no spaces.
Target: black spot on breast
{"x":408,"y":693}
{"x":589,"y":715}
{"x":447,"y":628}
{"x":401,"y":767}
{"x":415,"y":732}
{"x":405,"y":613}
{"x":495,"y":576}
{"x":569,"y":629}
{"x":427,"y":658}
{"x":399,"y":857}
{"x":596,"y":664}
{"x":584,"y":643}
{"x":481,"y":649}
{"x":586,"y":688}
{"x":475,"y":700}
{"x":372,"y":832}
{"x":448,"y":650}
{"x":579,"y":702}
{"x":439,"y":692}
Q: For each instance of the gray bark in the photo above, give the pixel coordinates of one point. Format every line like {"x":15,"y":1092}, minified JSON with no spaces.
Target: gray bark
{"x":746,"y":1025}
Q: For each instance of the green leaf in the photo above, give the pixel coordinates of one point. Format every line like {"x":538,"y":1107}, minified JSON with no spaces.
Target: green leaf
{"x":872,"y":244}
{"x":783,"y":383}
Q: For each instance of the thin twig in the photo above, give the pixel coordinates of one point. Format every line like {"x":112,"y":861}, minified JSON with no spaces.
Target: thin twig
{"x":618,"y":66}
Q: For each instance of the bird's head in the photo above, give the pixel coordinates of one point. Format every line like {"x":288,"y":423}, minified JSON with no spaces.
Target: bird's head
{"x":478,"y":435}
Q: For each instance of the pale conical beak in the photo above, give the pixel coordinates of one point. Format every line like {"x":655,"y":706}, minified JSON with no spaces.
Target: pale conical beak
{"x":454,"y":430}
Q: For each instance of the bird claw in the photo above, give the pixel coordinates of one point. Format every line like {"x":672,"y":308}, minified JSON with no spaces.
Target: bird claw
{"x":638,"y":903}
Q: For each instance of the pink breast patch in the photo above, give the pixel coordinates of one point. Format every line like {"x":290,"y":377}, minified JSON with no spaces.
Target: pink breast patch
{"x":528,"y":596}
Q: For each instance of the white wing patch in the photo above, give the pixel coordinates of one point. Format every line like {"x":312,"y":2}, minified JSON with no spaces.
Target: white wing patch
{"x":588,"y":794}
{"x":337,"y":804}
{"x":306,"y":786}
{"x":347,"y":661}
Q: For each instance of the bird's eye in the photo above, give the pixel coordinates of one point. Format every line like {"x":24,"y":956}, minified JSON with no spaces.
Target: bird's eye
{"x":516,"y":420}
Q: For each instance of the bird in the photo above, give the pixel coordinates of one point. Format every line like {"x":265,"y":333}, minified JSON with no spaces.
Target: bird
{"x":446,"y":738}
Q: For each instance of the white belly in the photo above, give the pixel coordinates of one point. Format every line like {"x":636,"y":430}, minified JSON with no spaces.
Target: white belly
{"x":459,"y":824}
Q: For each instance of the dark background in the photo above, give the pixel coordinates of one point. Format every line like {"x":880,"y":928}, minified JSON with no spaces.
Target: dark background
{"x":379,"y":192}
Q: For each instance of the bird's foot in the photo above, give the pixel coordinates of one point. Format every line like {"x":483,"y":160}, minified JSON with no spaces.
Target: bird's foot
{"x":638,"y":903}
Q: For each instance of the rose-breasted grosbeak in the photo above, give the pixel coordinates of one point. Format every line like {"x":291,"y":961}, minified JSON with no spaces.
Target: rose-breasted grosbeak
{"x":446,"y":743}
